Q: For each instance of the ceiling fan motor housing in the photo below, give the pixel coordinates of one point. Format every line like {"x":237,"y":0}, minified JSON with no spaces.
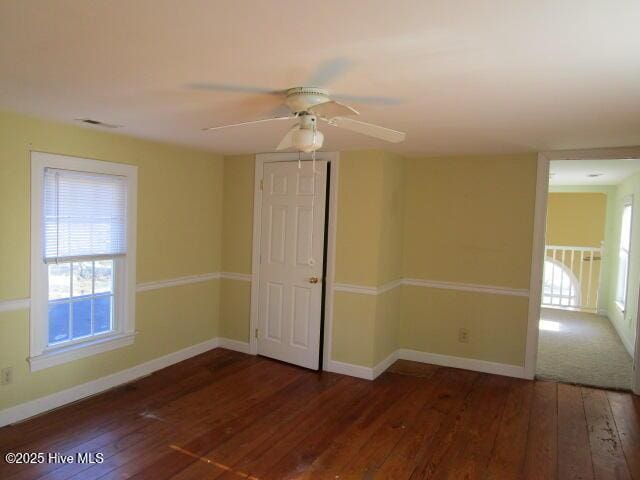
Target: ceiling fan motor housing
{"x":301,"y":99}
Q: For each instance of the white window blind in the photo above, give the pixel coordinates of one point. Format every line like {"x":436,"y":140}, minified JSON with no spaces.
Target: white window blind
{"x":84,"y":215}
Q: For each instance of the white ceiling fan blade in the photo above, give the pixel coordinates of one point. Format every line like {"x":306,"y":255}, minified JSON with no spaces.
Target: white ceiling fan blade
{"x":287,"y":141}
{"x":249,"y":123}
{"x":333,"y":109}
{"x":369,"y":129}
{"x":225,"y":87}
{"x":368,"y":100}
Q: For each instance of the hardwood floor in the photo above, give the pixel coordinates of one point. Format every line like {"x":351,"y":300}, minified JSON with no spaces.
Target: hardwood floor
{"x":227,"y":415}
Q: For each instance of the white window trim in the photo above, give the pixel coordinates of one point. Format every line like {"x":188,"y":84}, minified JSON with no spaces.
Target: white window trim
{"x":627,"y":201}
{"x":40,"y":355}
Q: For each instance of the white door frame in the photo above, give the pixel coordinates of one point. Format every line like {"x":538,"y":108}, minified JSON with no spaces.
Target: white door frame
{"x":537,"y":257}
{"x":334,"y":159}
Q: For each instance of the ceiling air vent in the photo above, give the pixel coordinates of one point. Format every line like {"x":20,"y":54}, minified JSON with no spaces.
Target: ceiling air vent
{"x":97,"y":123}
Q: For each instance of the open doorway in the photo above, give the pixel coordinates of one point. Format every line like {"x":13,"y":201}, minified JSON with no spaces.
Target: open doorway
{"x":591,"y":273}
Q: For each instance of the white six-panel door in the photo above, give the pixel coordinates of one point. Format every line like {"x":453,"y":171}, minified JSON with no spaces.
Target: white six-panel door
{"x":291,"y":259}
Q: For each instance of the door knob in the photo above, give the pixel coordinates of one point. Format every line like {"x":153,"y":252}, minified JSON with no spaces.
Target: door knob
{"x":313,"y":280}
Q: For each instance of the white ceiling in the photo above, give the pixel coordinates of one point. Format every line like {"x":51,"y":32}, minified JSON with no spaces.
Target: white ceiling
{"x":472,"y":77}
{"x":576,"y":172}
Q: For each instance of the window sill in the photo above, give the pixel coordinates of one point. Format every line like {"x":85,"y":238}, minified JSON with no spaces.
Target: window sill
{"x":58,"y":356}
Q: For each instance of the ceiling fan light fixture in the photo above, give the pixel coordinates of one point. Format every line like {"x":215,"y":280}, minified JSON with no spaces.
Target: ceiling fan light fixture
{"x":307,"y":140}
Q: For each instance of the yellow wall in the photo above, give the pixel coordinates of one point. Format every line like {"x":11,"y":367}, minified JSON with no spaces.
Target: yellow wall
{"x":235,"y":309}
{"x":387,"y":324}
{"x":390,"y":257}
{"x":369,"y":247}
{"x":576,"y":219}
{"x":179,"y":234}
{"x":354,"y":323}
{"x":358,"y":237}
{"x":368,"y":251}
{"x":457,"y":219}
{"x":468,"y":220}
{"x":237,"y":226}
{"x":237,"y":235}
{"x":392,"y":219}
{"x":359,"y":217}
{"x":497,"y":324}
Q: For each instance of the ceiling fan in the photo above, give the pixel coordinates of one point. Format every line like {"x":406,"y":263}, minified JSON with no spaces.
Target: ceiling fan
{"x":309,"y":105}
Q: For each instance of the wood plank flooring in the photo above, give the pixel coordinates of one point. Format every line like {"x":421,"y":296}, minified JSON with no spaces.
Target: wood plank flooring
{"x":227,"y":415}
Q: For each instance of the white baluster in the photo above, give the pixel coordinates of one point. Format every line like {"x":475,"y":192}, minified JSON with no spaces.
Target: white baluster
{"x":562,"y":278}
{"x":553,"y":276}
{"x":580,"y":276}
{"x":573,"y":288}
{"x":590,"y":275}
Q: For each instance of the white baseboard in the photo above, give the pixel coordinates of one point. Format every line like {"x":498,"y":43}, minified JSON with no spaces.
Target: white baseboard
{"x":370,"y":373}
{"x":462,"y":362}
{"x":384,"y":364}
{"x":351,"y":369}
{"x":236,"y":345}
{"x":34,"y":407}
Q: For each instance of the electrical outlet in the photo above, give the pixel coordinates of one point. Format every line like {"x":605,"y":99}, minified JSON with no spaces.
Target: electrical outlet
{"x":463,"y":335}
{"x":6,"y":376}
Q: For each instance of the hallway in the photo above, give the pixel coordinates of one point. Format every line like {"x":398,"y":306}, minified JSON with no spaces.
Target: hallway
{"x":583,"y":348}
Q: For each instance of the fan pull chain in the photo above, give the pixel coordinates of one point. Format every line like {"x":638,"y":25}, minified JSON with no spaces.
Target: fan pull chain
{"x":312,"y":261}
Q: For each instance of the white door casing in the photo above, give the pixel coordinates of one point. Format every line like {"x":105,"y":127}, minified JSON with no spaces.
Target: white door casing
{"x":291,"y":259}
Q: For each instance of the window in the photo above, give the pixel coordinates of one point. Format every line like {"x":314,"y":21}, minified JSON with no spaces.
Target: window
{"x":560,"y":286}
{"x":623,"y":254}
{"x":82,"y":257}
{"x":81,"y":300}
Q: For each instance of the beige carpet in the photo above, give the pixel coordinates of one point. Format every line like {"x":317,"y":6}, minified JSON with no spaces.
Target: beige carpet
{"x":582,"y":348}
